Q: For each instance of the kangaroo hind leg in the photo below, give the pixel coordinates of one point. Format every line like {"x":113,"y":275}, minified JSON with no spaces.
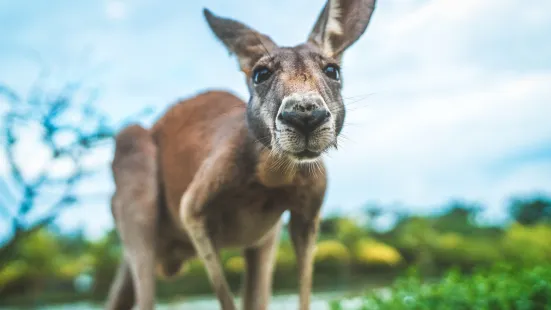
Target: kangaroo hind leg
{"x":135,"y":209}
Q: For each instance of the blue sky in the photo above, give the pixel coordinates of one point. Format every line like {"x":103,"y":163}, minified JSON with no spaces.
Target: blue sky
{"x":455,"y":95}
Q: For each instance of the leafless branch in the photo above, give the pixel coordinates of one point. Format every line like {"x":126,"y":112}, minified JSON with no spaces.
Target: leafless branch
{"x":54,"y":116}
{"x":50,"y":115}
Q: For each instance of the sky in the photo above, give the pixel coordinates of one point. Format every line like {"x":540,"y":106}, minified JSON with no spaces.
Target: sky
{"x":446,"y":99}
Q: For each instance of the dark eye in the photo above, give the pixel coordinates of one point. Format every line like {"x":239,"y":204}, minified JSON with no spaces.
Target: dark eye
{"x":261,"y":74}
{"x":332,"y":71}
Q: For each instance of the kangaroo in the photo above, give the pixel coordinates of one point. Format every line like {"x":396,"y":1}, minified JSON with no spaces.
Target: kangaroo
{"x":216,"y":172}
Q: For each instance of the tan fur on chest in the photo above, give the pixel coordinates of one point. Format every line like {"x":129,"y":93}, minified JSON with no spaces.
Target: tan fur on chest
{"x":251,"y":214}
{"x":273,"y":171}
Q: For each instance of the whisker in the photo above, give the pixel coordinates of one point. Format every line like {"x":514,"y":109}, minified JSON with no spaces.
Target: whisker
{"x":313,"y":168}
{"x":263,"y":140}
{"x":350,"y":105}
{"x":264,"y":46}
{"x":362,"y":97}
{"x":319,"y":167}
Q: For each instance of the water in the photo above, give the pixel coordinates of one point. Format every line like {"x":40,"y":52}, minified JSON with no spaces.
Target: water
{"x":318,"y":302}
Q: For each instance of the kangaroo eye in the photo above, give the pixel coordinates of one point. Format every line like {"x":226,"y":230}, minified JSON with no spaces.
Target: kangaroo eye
{"x":332,"y":71}
{"x":261,"y":74}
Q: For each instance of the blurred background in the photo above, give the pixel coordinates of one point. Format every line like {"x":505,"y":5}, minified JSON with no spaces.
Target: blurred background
{"x":445,"y":161}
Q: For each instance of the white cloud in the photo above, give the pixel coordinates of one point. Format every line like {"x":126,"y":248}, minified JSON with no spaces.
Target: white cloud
{"x":443,"y":136}
{"x":116,"y":10}
{"x":442,"y":12}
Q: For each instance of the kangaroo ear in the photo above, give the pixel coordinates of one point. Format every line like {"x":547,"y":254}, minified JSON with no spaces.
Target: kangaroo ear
{"x":340,"y":24}
{"x":246,"y":43}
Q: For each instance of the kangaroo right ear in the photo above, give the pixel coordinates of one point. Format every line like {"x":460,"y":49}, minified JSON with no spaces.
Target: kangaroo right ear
{"x":340,"y":24}
{"x":246,"y":43}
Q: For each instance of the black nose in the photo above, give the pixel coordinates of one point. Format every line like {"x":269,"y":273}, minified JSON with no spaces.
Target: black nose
{"x":304,"y":122}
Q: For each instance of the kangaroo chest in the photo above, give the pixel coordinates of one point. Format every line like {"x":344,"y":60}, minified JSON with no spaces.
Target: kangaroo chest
{"x":238,"y":217}
{"x":242,"y":218}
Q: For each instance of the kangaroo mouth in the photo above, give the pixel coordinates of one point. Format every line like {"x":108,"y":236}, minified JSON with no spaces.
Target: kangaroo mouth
{"x":307,"y":154}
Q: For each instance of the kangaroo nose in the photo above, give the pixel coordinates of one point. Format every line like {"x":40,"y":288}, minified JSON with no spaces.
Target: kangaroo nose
{"x":305,"y":122}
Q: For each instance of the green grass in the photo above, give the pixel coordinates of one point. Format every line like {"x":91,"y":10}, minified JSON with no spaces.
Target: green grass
{"x":501,"y":287}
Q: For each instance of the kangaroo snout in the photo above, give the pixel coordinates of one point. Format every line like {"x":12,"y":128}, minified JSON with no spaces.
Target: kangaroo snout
{"x":305,"y":122}
{"x":304,"y":112}
{"x":305,"y":127}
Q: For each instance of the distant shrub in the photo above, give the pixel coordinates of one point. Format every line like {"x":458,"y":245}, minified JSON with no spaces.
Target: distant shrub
{"x":415,"y":233}
{"x":285,"y":258}
{"x":481,"y":252}
{"x":528,"y":244}
{"x":70,"y":268}
{"x":348,"y":231}
{"x":450,"y":241}
{"x":373,"y":253}
{"x":12,"y":271}
{"x":193,"y":267}
{"x":495,"y":289}
{"x":331,"y":253}
{"x":36,"y":252}
{"x":235,"y":264}
{"x":454,"y":249}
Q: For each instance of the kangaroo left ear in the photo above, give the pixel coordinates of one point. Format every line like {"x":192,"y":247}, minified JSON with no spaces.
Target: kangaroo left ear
{"x":246,"y":43}
{"x":340,"y":24}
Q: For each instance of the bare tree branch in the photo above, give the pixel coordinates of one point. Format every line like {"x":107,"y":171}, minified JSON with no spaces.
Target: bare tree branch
{"x":51,"y":116}
{"x":70,"y":129}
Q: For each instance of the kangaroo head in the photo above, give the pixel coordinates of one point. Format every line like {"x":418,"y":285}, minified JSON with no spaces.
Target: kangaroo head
{"x":295,"y":107}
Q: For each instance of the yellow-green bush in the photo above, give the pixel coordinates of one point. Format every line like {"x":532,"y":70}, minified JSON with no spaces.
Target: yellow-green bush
{"x":193,"y":267}
{"x":453,"y":249}
{"x":479,"y":251}
{"x":70,"y":268}
{"x":285,"y":258}
{"x":416,"y":233}
{"x":373,"y":253}
{"x":528,"y":244}
{"x":348,"y":231}
{"x":36,"y":252}
{"x":331,"y":253}
{"x":449,"y":249}
{"x":450,"y":241}
{"x":235,"y":264}
{"x":12,"y":271}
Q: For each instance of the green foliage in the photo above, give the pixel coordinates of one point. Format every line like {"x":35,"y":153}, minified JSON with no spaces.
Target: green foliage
{"x":13,"y":271}
{"x":452,"y":249}
{"x":459,"y":218}
{"x":285,"y":257}
{"x":348,"y":231}
{"x":497,"y":288}
{"x":415,"y":232}
{"x":528,"y":244}
{"x":105,"y":256}
{"x":34,"y":260}
{"x":439,"y":242}
{"x":36,"y":253}
{"x":45,"y":264}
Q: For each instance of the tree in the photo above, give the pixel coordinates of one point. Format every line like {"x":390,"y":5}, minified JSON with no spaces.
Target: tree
{"x":64,"y":128}
{"x":459,"y":217}
{"x":531,"y":210}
